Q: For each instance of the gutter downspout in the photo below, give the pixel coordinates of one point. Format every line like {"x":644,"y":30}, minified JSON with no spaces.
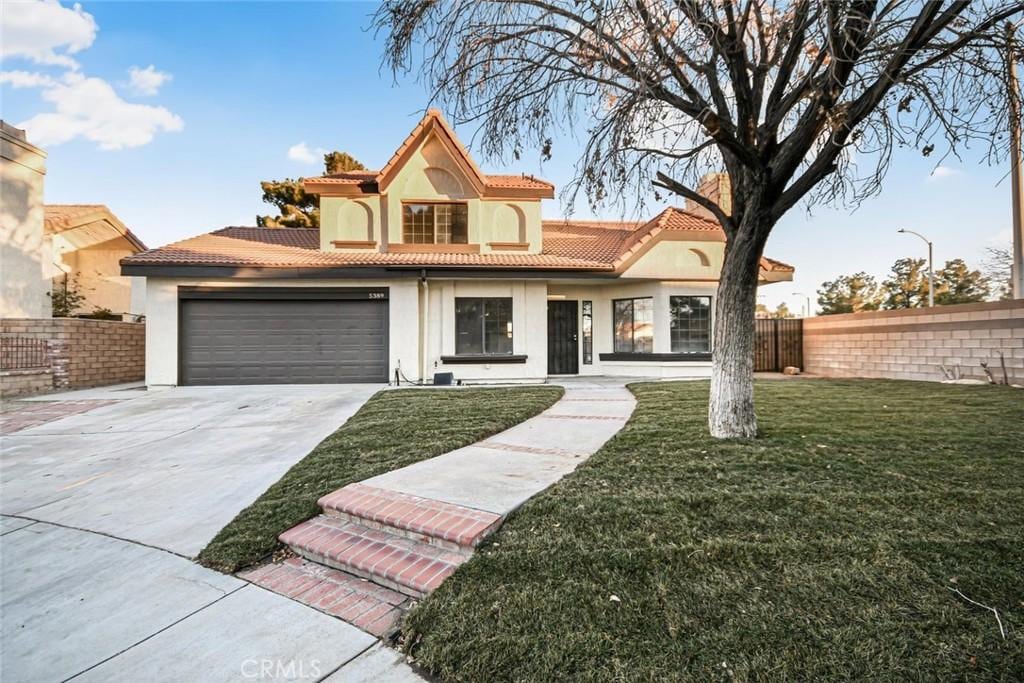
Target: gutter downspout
{"x":424,"y":322}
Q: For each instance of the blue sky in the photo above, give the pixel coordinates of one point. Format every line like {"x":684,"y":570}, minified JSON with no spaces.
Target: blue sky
{"x":179,"y":148}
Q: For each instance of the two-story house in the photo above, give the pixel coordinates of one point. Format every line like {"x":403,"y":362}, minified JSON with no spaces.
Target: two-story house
{"x":430,"y":265}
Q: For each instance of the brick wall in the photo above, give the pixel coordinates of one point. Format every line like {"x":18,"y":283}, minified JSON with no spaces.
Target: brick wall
{"x":86,"y":353}
{"x":911,"y":344}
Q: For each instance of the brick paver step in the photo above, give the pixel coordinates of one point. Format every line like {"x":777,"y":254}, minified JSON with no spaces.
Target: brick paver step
{"x":422,"y":519}
{"x":403,"y":564}
{"x":373,"y":608}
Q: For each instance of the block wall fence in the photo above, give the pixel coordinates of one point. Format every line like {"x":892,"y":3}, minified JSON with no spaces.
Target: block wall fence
{"x":913,"y":343}
{"x":82,"y":353}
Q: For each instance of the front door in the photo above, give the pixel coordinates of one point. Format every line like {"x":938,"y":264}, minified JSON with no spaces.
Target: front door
{"x":563,"y":338}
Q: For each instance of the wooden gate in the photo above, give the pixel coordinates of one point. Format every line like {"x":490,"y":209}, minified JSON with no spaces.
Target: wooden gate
{"x":778,"y":343}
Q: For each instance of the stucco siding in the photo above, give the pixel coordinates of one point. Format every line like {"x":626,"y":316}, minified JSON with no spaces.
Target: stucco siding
{"x":96,"y":271}
{"x":690,"y":260}
{"x":603,"y":297}
{"x":529,"y":328}
{"x":422,"y":325}
{"x":24,"y":250}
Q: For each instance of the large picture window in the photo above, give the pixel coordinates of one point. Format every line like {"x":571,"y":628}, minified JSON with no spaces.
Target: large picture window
{"x":435,"y":224}
{"x":483,"y":326}
{"x":691,"y":324}
{"x":633,"y":320}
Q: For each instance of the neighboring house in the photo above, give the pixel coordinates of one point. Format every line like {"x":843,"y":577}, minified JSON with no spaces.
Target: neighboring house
{"x":24,"y":253}
{"x":87,"y":243}
{"x":430,"y":265}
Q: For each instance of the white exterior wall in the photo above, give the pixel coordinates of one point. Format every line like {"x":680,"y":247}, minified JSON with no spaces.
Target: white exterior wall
{"x":412,"y":348}
{"x":529,"y":329}
{"x":603,"y":330}
{"x":162,"y":320}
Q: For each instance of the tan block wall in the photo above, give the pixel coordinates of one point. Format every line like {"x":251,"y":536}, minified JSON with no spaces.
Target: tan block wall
{"x":912,"y":344}
{"x":14,"y":383}
{"x":86,"y":353}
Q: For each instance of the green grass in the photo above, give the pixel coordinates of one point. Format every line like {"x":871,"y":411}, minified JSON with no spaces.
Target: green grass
{"x":392,"y":430}
{"x":823,"y":551}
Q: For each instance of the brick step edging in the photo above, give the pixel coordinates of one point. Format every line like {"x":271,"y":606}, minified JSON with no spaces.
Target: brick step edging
{"x":395,"y":562}
{"x":421,"y":519}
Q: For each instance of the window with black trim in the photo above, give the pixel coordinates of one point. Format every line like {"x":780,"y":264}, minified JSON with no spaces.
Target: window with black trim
{"x":691,"y":324}
{"x":633,"y":323}
{"x":483,"y":326}
{"x":435,"y":224}
{"x":588,"y":332}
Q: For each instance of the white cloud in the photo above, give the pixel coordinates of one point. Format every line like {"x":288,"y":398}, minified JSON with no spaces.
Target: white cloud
{"x":304,"y":155}
{"x":90,"y":108}
{"x":147,"y":81}
{"x":45,"y":32}
{"x":26,"y":79}
{"x":944,"y":172}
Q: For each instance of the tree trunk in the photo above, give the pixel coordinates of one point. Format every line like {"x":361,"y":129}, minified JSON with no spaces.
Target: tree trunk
{"x":731,"y":405}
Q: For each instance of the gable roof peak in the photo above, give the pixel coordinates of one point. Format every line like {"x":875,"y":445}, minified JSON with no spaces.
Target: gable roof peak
{"x":432,"y":122}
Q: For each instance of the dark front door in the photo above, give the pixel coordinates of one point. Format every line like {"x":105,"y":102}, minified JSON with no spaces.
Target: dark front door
{"x":563,"y":338}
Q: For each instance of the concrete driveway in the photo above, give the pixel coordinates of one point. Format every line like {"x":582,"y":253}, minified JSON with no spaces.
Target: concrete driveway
{"x":101,"y":511}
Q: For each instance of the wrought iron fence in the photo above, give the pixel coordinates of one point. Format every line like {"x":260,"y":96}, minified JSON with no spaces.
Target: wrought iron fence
{"x":18,"y":353}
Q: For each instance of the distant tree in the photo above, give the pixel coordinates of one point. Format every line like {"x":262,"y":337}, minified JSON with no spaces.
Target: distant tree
{"x":762,"y":311}
{"x":782,"y":311}
{"x":907,"y":284}
{"x":783,"y":95}
{"x":955,"y":283}
{"x":998,"y":268}
{"x":849,"y":294}
{"x":298,"y":209}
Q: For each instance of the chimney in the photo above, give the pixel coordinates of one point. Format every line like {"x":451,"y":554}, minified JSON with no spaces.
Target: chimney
{"x":717,"y":188}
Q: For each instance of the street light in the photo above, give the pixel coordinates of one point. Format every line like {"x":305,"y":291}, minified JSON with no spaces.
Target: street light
{"x":807,"y":311}
{"x":931,"y":269}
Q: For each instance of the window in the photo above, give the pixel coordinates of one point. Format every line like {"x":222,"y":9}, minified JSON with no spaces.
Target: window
{"x":633,"y":320}
{"x":435,"y":224}
{"x":483,"y":326}
{"x":588,"y":332}
{"x":691,"y":324}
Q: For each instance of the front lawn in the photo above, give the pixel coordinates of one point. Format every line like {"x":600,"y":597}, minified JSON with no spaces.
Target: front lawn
{"x":394,"y":429}
{"x":826,"y":550}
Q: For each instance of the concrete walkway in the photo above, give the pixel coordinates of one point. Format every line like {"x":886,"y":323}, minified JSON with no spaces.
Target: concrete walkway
{"x":500,"y":473}
{"x":396,"y":537}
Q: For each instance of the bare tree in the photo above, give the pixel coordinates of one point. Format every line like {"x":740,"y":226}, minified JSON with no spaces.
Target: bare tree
{"x":798,"y":100}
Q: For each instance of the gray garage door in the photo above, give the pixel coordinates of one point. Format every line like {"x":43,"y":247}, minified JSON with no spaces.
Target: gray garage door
{"x":277,"y":341}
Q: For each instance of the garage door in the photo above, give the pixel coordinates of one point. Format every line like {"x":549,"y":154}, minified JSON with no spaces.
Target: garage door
{"x":263,"y":336}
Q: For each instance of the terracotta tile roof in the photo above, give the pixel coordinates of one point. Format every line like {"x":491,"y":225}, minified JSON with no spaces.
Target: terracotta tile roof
{"x":592,"y":240}
{"x":348,"y":178}
{"x":299,"y":247}
{"x":568,"y":245}
{"x":434,"y":121}
{"x":58,"y":218}
{"x":773,"y":265}
{"x":523,"y":182}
